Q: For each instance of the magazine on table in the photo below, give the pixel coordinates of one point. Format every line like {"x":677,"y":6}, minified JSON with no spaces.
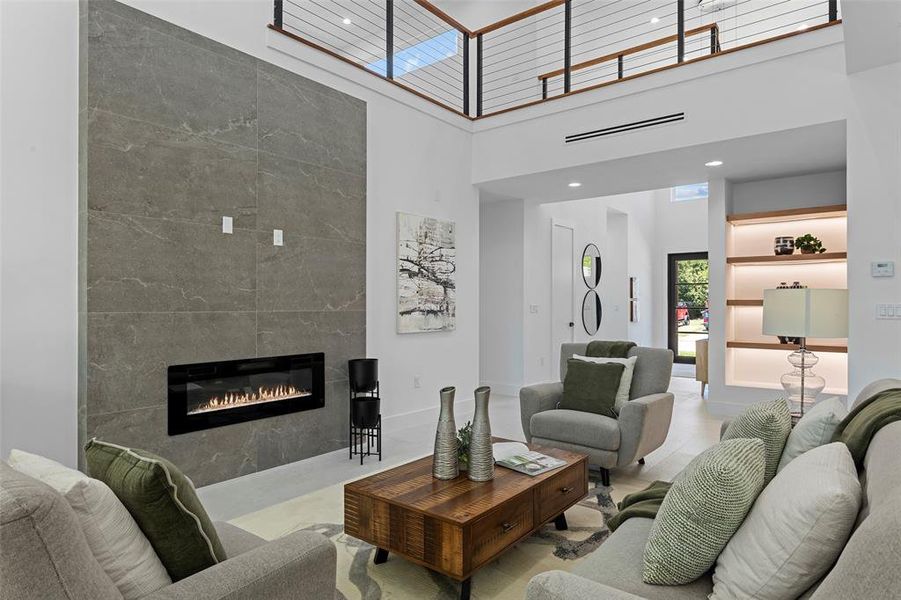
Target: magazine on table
{"x":518,"y":457}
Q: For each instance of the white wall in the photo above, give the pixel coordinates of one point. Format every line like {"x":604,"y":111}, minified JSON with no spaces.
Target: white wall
{"x":679,"y":227}
{"x":501,"y":293}
{"x":590,"y":219}
{"x":874,"y":221}
{"x":39,"y":227}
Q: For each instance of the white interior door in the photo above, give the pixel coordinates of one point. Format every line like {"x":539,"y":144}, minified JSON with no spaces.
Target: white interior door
{"x":562,"y":279}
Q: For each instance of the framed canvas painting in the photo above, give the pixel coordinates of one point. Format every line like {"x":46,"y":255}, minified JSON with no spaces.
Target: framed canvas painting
{"x":426,"y":274}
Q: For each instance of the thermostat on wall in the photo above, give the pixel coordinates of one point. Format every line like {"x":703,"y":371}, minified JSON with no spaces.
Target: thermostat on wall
{"x":882,"y":269}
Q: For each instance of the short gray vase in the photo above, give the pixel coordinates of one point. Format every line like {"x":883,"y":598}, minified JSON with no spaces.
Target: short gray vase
{"x":481,"y":455}
{"x":444,"y":460}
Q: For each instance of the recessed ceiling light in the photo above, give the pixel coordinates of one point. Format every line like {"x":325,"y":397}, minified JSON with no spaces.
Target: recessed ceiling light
{"x":574,"y":184}
{"x":714,"y":163}
{"x":802,"y":26}
{"x":346,"y":21}
{"x":655,"y":19}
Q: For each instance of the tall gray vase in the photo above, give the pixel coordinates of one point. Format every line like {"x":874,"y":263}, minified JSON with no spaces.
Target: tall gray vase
{"x":481,"y":457}
{"x":444,"y":460}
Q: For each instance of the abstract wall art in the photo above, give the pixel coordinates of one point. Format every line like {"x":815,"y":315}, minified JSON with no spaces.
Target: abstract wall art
{"x":426,"y":274}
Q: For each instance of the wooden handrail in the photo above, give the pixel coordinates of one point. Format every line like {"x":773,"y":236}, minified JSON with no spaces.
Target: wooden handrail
{"x":633,"y":50}
{"x":445,"y":17}
{"x":518,"y":17}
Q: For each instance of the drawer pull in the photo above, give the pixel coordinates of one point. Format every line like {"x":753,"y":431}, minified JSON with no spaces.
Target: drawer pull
{"x":566,"y":490}
{"x":507,"y":527}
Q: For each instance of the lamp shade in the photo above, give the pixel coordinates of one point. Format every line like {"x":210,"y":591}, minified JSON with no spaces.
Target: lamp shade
{"x":806,"y":312}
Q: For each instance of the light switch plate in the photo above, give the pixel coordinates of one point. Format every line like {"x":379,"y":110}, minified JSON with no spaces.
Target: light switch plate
{"x":227,"y":225}
{"x":884,"y":268}
{"x":278,"y":237}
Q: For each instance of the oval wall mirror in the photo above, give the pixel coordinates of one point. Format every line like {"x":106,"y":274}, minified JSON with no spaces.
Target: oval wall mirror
{"x":591,"y":266}
{"x":591,"y":312}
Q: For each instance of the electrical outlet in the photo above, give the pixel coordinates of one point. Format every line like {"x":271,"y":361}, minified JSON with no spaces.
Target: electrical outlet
{"x":278,"y":237}
{"x":227,"y":225}
{"x":541,"y":361}
{"x":417,"y":382}
{"x":533,"y":308}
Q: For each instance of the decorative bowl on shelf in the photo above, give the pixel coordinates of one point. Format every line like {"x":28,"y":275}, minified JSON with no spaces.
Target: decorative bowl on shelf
{"x":784,"y":244}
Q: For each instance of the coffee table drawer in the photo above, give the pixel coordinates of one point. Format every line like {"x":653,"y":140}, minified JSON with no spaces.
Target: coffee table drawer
{"x":560,"y":491}
{"x":500,"y":528}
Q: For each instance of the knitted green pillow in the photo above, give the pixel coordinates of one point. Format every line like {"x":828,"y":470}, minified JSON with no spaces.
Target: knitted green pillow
{"x":163,"y":503}
{"x":703,"y":509}
{"x":768,"y":421}
{"x":591,"y":387}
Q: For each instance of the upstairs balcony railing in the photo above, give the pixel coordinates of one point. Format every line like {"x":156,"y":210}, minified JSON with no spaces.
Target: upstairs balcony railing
{"x":553,"y":50}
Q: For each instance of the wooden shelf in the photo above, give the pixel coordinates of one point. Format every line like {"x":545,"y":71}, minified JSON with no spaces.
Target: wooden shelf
{"x":788,"y":258}
{"x":791,"y":214}
{"x":777,"y":346}
{"x":744,"y":302}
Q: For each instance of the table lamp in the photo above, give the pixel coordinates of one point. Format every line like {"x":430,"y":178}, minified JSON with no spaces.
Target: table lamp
{"x":803,"y":313}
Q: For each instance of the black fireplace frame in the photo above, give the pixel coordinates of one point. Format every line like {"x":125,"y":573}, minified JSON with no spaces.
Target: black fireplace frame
{"x":179,"y":376}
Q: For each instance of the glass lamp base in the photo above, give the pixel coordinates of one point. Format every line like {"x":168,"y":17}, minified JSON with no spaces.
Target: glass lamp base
{"x":802,"y":377}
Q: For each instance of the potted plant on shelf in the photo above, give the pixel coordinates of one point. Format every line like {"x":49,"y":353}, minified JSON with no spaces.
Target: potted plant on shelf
{"x":808,"y":244}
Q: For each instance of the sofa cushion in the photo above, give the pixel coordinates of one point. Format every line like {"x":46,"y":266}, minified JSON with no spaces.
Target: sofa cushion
{"x":625,"y":380}
{"x":576,"y":427}
{"x":769,"y":422}
{"x":591,"y":387}
{"x":814,"y":429}
{"x":114,"y":538}
{"x":703,"y":509}
{"x":164,"y":504}
{"x":795,"y":530}
{"x":50,"y":557}
{"x":618,"y":564}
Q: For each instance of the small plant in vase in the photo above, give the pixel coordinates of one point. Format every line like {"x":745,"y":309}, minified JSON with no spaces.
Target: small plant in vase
{"x":464,"y":436}
{"x":809,"y":244}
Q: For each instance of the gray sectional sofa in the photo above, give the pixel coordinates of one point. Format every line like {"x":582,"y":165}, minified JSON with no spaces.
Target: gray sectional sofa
{"x":868,"y":567}
{"x":44,"y":555}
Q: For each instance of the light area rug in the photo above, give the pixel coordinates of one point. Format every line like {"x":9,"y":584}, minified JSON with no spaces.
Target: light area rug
{"x":504,"y":579}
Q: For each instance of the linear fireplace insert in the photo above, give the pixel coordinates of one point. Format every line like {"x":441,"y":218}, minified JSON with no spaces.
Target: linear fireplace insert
{"x":205,"y":395}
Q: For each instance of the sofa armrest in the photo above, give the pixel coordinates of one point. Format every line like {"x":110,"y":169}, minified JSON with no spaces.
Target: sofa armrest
{"x":301,"y":564}
{"x":643,"y":425}
{"x":559,"y":585}
{"x":723,"y":427}
{"x":535,"y":399}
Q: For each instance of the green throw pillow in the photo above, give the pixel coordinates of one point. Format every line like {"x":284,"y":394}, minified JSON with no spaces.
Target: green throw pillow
{"x":703,"y":509}
{"x":768,"y":421}
{"x":164,"y":504}
{"x":591,"y":387}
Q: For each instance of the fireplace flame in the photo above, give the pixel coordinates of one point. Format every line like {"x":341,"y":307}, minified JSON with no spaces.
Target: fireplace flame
{"x":263,"y":394}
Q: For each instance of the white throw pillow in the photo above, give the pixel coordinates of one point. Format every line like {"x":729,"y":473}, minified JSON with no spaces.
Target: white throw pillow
{"x":625,"y":380}
{"x":795,"y":531}
{"x":113,"y":536}
{"x":814,"y":429}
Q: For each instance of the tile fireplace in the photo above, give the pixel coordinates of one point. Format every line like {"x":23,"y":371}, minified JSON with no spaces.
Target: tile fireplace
{"x":213,"y":394}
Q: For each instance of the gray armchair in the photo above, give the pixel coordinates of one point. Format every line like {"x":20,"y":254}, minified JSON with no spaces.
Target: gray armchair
{"x":641,"y":427}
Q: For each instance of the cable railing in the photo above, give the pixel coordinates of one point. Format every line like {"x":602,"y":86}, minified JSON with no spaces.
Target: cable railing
{"x":552,"y":50}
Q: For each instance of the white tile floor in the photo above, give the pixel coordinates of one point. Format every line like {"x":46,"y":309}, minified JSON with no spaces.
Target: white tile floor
{"x":692,"y":430}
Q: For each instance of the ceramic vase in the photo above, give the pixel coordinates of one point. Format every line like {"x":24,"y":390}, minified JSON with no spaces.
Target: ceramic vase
{"x":481,"y":456}
{"x":444,"y":460}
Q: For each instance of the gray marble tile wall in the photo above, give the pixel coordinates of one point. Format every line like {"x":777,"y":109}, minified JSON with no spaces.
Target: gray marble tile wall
{"x":182,"y":131}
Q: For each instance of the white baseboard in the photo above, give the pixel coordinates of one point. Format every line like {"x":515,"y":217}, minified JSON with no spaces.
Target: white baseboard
{"x":503,"y":389}
{"x":426,"y":416}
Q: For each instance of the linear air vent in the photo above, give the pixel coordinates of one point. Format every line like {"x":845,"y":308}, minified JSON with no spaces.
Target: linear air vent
{"x":587,"y":135}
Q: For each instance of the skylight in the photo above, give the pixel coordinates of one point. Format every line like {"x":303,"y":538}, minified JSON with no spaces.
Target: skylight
{"x":428,"y":52}
{"x":692,"y":191}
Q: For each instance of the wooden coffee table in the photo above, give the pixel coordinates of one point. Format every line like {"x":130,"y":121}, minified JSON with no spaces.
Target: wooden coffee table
{"x":455,"y":527}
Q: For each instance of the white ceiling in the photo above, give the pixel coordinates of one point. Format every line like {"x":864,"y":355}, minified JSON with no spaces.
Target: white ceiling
{"x":872,"y":33}
{"x":784,"y":153}
{"x":475,"y":14}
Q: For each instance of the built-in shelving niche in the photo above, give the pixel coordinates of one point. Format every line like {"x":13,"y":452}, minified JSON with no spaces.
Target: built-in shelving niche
{"x":756,"y":360}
